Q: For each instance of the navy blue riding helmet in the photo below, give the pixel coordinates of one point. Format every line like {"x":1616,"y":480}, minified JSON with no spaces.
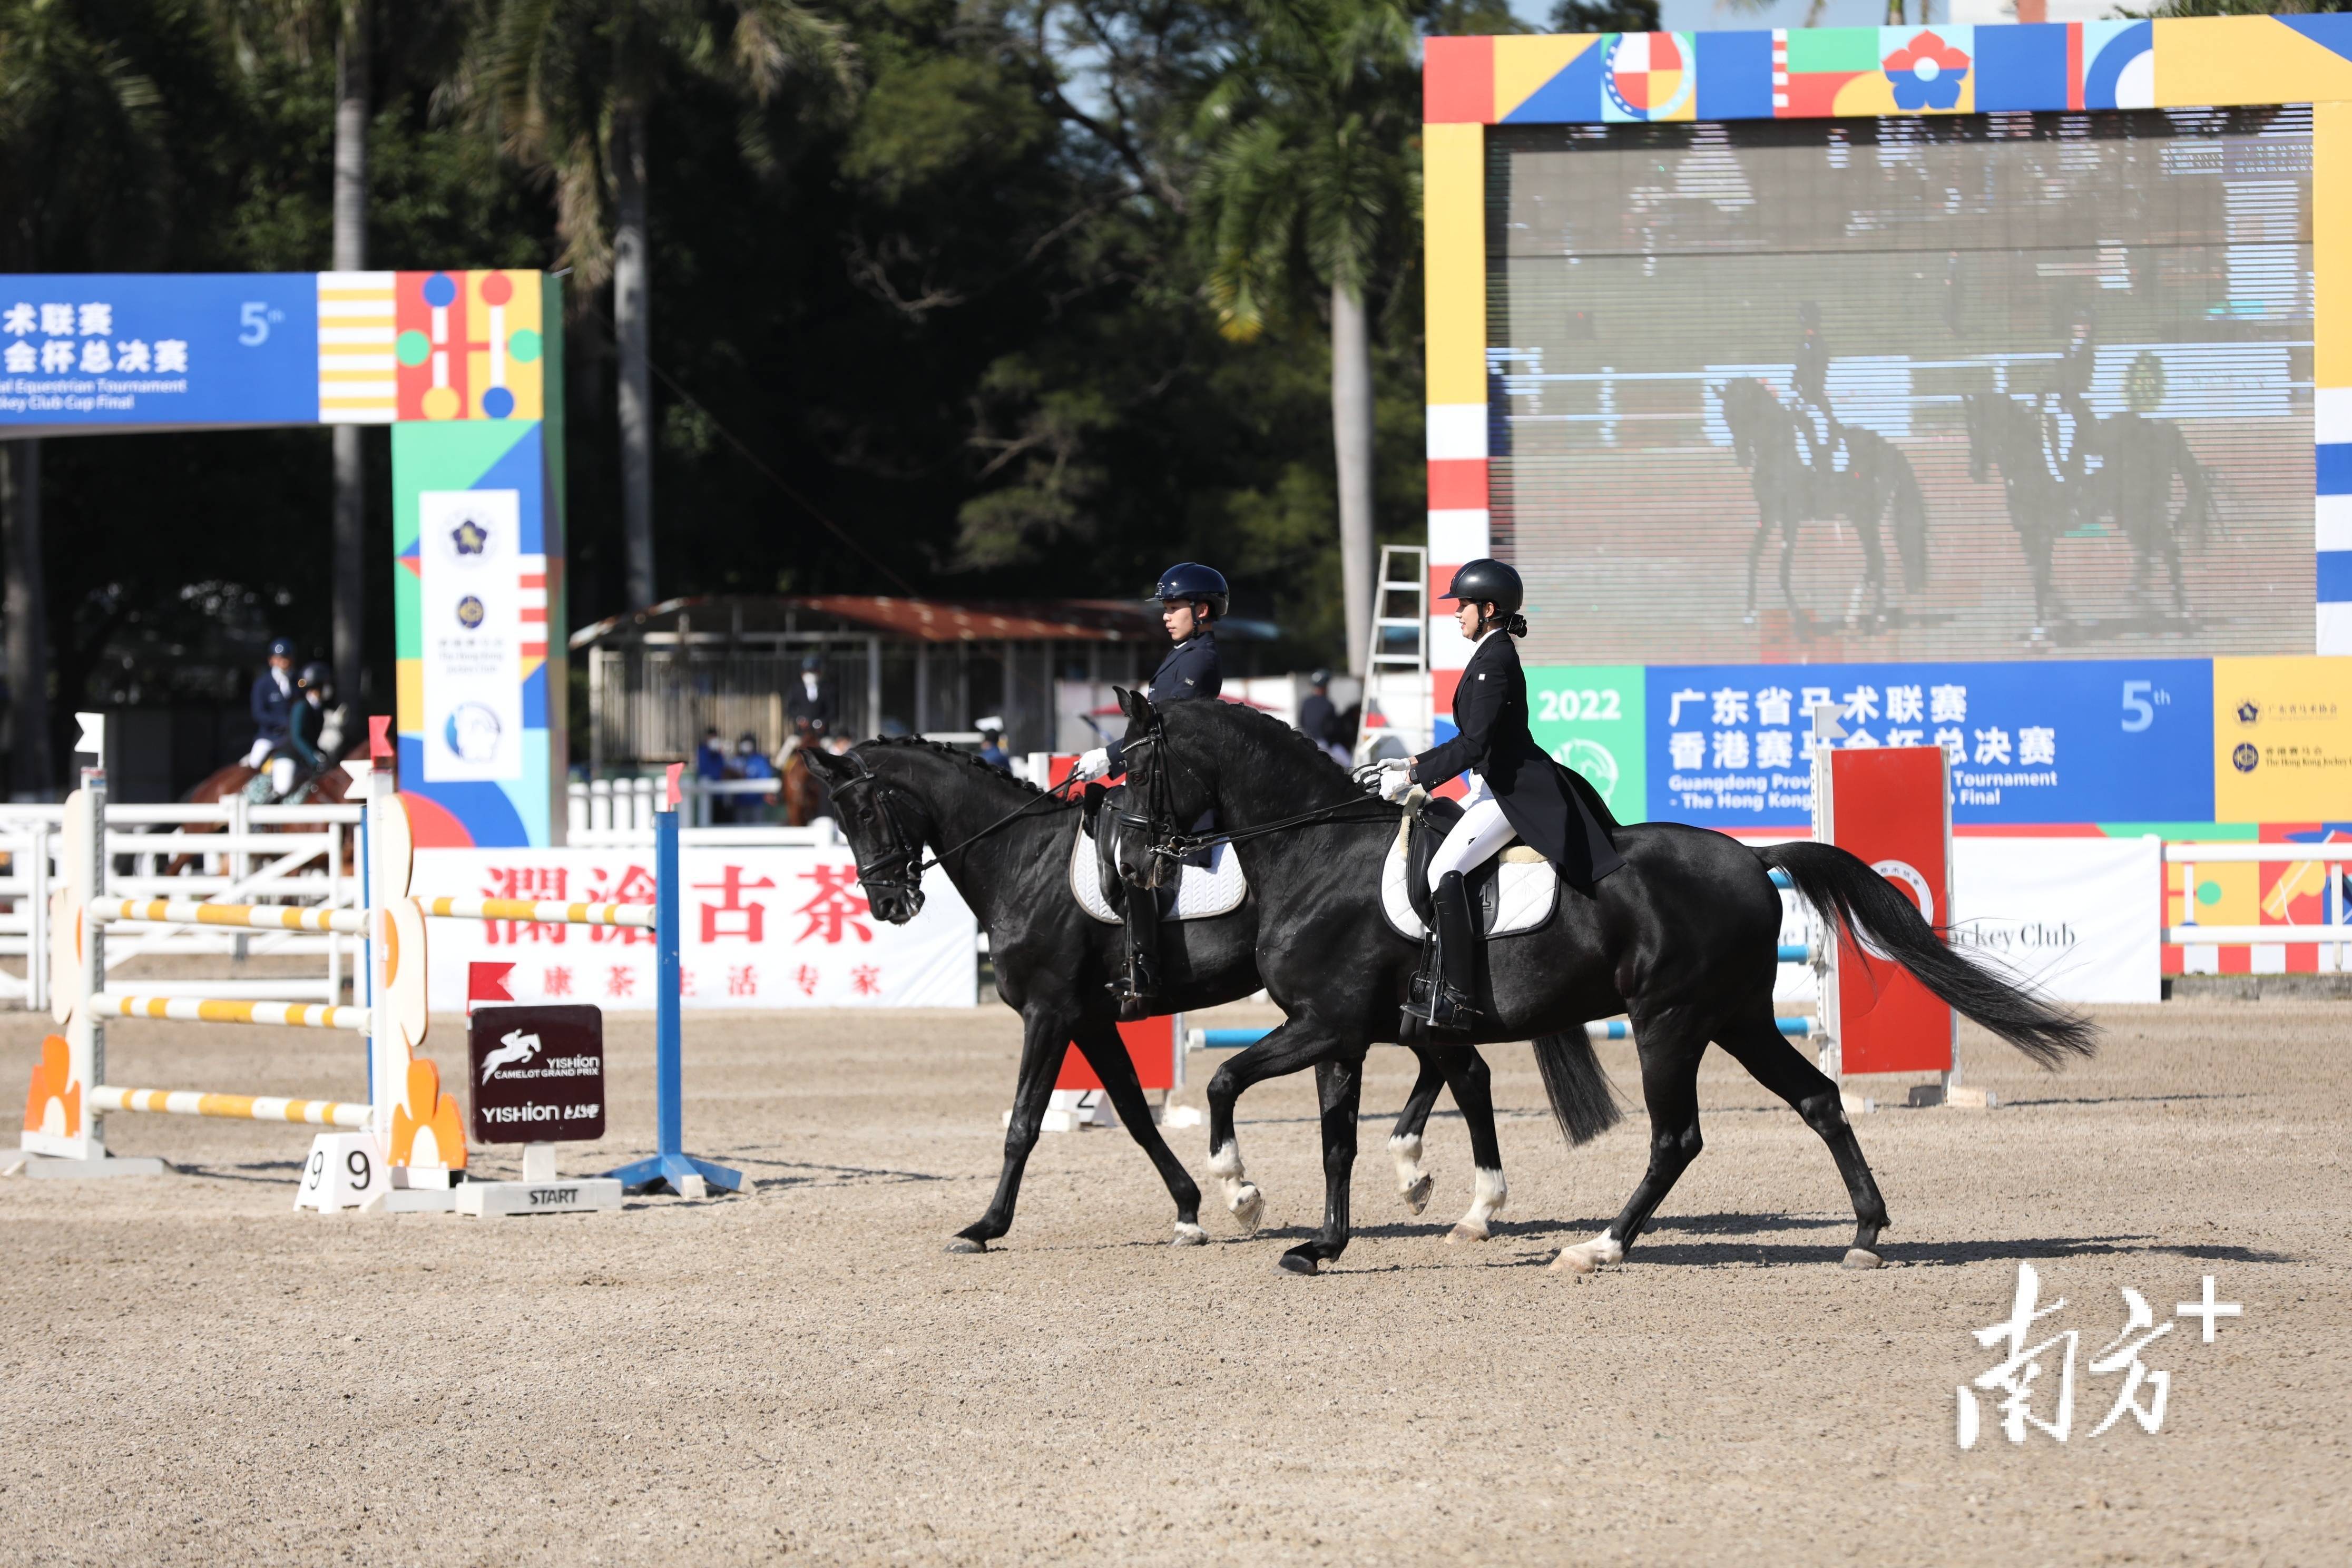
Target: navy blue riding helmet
{"x":1189,"y":580}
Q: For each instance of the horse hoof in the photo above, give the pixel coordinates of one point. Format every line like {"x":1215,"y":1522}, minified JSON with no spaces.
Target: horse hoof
{"x":1587,"y":1256}
{"x":1416,"y":1196}
{"x":1298,"y":1261}
{"x":1465,"y":1231}
{"x":1249,"y":1209}
{"x":966,"y":1244}
{"x":1189,"y":1234}
{"x":1862,"y":1258}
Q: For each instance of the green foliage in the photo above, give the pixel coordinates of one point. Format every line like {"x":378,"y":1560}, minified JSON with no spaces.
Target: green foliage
{"x":1605,"y":17}
{"x":962,"y":315}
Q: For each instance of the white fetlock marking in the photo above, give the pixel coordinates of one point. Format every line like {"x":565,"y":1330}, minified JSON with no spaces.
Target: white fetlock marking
{"x":1489,"y":1193}
{"x":1189,"y":1235}
{"x":1225,"y":1167}
{"x":1587,"y":1256}
{"x":1406,"y":1152}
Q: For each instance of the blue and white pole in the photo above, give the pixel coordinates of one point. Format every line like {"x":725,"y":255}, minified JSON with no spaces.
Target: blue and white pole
{"x":671,"y":1166}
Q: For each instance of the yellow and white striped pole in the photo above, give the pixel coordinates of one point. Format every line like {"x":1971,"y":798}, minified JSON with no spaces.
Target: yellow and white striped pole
{"x":242,"y":1107}
{"x":216,"y":1010}
{"x":541,"y":913}
{"x":265,"y":917}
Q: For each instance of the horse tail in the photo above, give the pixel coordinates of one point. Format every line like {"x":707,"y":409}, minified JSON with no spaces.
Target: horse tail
{"x":1844,"y":890}
{"x":1910,"y":525}
{"x":1581,"y":1101}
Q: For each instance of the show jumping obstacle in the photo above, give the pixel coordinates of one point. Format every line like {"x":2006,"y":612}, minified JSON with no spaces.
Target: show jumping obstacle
{"x":401,"y":1150}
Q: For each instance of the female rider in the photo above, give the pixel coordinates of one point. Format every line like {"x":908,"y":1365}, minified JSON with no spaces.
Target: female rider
{"x":1191,"y":597}
{"x":1516,"y":790}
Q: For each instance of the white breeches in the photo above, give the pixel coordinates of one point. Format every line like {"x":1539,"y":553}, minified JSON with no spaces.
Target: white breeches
{"x":1476,"y":838}
{"x":261,"y":751}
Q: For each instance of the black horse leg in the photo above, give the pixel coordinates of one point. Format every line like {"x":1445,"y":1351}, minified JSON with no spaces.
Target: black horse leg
{"x":1044,"y":1038}
{"x":1414,"y":1183}
{"x":1756,"y":554}
{"x":1339,"y":1086}
{"x":1788,"y":526}
{"x":1670,"y":1045}
{"x":1867,"y":516}
{"x":1285,"y":1050}
{"x":1757,"y":1045}
{"x":1106,"y":1054}
{"x":1473,"y":1086}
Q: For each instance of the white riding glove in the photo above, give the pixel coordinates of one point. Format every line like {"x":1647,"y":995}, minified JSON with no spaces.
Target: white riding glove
{"x":1092,"y":764}
{"x":1396,"y":778}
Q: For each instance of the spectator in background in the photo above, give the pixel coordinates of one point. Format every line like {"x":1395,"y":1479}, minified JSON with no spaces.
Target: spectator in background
{"x":1318,"y":718}
{"x":710,"y":767}
{"x":992,"y":745}
{"x":748,"y":807}
{"x":813,"y":703}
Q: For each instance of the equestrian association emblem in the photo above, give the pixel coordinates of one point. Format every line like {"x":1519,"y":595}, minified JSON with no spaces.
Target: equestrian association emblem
{"x":1926,"y":73}
{"x":2248,"y":711}
{"x":1648,"y":76}
{"x":473,"y":732}
{"x":1904,"y":874}
{"x":470,"y":538}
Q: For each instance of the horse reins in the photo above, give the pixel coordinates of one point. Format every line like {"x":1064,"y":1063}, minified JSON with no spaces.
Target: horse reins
{"x":1168,"y":844}
{"x":902,"y":867}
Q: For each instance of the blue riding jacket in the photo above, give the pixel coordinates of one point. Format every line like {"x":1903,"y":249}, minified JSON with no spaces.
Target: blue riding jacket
{"x":1191,"y":671}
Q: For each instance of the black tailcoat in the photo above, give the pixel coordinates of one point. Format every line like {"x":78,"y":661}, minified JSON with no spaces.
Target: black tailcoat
{"x":1550,"y":808}
{"x":1191,"y":671}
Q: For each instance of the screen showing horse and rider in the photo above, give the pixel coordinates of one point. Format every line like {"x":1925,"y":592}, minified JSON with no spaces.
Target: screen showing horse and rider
{"x":1982,"y":387}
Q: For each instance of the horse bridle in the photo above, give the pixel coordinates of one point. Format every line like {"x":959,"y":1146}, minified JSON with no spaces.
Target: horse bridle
{"x":1163,"y":843}
{"x":899,"y":868}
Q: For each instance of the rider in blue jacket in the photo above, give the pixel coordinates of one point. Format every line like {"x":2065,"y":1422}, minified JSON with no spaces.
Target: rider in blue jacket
{"x":1191,"y":597}
{"x":272,"y":702}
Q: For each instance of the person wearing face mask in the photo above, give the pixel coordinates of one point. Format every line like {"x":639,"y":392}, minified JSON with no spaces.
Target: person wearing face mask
{"x":814,"y":702}
{"x":750,"y":764}
{"x":1191,"y":599}
{"x":1517,"y":791}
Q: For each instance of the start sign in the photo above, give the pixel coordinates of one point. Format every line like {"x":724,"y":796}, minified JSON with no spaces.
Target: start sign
{"x":538,"y":1074}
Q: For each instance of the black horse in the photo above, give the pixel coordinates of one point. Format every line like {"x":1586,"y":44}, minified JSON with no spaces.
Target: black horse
{"x":1795,"y":481}
{"x":1007,"y":849}
{"x":1684,"y":939}
{"x":2122,"y":468}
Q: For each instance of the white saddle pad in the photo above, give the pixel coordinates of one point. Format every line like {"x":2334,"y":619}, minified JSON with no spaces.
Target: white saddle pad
{"x":1524,"y":898}
{"x":1218,"y":889}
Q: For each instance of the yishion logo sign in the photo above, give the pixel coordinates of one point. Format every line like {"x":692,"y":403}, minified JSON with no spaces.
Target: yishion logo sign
{"x":537,"y":1074}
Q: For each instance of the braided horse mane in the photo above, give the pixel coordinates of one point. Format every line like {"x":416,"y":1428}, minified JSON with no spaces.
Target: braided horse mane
{"x":1264,"y":735}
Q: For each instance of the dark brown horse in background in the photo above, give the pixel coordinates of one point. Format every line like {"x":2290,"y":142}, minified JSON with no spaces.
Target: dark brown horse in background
{"x":330,"y":785}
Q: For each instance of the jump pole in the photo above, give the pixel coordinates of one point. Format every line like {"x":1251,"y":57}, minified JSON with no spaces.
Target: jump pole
{"x":670,"y":1165}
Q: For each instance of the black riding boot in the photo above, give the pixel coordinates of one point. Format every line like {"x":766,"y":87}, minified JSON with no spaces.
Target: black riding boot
{"x":1137,"y":989}
{"x":1455,"y":985}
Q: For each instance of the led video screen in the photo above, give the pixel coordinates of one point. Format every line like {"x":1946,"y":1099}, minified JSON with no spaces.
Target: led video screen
{"x":1994,"y":386}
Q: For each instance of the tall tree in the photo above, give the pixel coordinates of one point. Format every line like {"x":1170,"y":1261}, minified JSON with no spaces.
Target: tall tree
{"x":1308,"y":168}
{"x":81,"y":154}
{"x":574,"y":83}
{"x":351,"y":112}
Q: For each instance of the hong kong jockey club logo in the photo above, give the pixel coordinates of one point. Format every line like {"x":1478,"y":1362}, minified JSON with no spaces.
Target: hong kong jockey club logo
{"x":1926,"y":73}
{"x":469,"y":613}
{"x":2249,"y":711}
{"x":1647,"y":76}
{"x":2245,"y":758}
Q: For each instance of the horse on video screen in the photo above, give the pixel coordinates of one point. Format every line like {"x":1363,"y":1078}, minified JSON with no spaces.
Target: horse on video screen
{"x":1795,"y":483}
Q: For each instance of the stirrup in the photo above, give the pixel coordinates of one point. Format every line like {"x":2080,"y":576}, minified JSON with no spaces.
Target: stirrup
{"x":1134,"y":991}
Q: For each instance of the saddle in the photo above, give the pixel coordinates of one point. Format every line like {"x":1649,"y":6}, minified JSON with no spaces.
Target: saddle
{"x":1514,"y":891}
{"x":1212,"y":882}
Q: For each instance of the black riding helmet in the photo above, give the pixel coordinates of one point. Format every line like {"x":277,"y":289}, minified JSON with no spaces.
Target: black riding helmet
{"x":315,"y":675}
{"x":1189,"y":580}
{"x":1487,"y":581}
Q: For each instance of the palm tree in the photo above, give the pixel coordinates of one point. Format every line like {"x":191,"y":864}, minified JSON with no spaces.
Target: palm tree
{"x":1307,"y":171}
{"x":573,"y":83}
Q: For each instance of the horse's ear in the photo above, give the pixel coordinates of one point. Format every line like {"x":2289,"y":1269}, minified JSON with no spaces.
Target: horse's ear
{"x":1122,"y":693}
{"x":822,"y":763}
{"x":1139,"y":708}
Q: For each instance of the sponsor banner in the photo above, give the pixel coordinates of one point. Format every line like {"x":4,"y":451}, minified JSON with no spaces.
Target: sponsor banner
{"x":149,"y":350}
{"x":2281,"y":738}
{"x":537,"y":1074}
{"x":764,"y":928}
{"x":1589,"y":717}
{"x":2057,"y":741}
{"x":470,"y":595}
{"x":2070,"y":916}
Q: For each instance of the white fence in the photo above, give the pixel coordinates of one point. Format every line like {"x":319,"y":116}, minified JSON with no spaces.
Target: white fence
{"x":234,"y":852}
{"x":2330,"y":857}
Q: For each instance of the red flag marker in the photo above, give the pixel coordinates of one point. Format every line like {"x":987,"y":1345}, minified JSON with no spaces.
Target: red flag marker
{"x":486,"y":983}
{"x":675,"y":793}
{"x":379,"y":735}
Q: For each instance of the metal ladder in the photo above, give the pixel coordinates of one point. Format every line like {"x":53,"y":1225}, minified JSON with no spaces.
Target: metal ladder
{"x":1396,"y":665}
